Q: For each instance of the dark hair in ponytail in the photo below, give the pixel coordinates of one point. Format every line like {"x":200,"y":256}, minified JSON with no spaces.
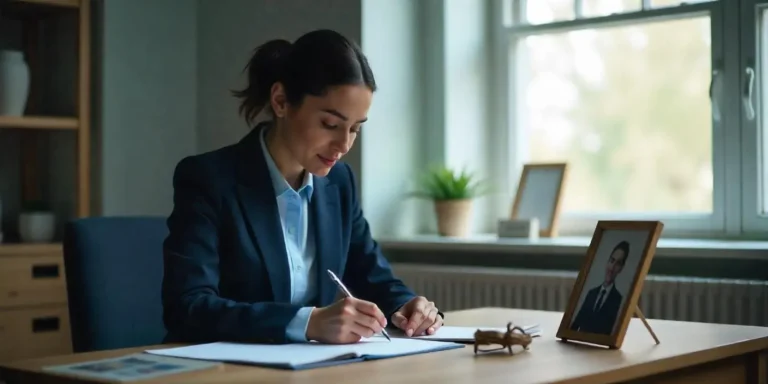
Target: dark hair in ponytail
{"x":313,"y":63}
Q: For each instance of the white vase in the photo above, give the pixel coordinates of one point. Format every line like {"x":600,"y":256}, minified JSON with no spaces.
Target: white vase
{"x":14,"y":83}
{"x":37,"y":227}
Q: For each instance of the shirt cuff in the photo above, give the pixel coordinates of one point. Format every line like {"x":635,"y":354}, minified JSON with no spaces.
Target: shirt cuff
{"x":297,"y":328}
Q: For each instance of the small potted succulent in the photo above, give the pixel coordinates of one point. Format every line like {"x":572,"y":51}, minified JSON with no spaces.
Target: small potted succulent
{"x":452,"y":193}
{"x":37,"y":222}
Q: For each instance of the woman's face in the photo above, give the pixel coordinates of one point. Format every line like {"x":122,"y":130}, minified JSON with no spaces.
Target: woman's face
{"x":321,"y":130}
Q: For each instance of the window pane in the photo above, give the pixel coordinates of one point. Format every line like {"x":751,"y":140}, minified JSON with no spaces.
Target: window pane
{"x":592,"y":8}
{"x":547,"y":11}
{"x":634,"y":124}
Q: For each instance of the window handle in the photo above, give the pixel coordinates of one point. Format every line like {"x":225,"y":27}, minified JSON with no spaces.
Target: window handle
{"x":715,"y":85}
{"x":747,"y":95}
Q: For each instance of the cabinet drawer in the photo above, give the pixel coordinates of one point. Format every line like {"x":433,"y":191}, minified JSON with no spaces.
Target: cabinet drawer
{"x":34,"y":332}
{"x":32,"y":280}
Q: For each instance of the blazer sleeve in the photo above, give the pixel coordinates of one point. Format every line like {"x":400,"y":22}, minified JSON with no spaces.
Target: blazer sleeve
{"x":367,"y":271}
{"x":193,"y":311}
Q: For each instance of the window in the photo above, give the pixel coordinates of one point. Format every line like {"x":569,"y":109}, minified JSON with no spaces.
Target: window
{"x":754,"y":100}
{"x":647,"y":104}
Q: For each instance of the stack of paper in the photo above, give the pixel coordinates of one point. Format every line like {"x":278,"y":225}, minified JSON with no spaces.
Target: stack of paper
{"x":306,"y":355}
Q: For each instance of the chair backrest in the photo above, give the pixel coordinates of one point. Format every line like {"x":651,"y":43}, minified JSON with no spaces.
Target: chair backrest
{"x":114,"y":271}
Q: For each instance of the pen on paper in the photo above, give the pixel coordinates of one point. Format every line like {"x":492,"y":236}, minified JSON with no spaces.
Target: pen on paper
{"x":346,"y":292}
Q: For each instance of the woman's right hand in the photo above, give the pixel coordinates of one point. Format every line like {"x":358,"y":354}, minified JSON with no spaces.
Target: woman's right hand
{"x":345,"y":321}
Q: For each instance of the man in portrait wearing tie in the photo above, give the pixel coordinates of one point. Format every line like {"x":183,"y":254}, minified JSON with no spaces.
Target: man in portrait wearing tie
{"x":601,"y":306}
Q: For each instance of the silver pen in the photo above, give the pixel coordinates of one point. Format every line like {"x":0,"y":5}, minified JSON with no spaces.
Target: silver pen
{"x":346,"y":292}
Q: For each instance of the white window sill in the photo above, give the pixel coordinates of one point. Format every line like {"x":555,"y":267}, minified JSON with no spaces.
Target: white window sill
{"x":693,"y":248}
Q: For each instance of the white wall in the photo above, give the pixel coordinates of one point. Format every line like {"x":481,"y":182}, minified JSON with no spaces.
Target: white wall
{"x":467,"y":98}
{"x":146,"y":95}
{"x":431,"y":58}
{"x":390,"y":141}
{"x":457,"y":104}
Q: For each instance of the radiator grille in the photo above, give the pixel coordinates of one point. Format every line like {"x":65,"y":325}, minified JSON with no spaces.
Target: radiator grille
{"x":674,"y":298}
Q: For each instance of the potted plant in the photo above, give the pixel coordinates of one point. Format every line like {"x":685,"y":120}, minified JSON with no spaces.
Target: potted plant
{"x":37,"y":222}
{"x":452,"y":193}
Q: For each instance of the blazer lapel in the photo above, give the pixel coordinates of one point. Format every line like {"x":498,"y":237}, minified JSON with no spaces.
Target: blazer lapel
{"x":327,"y":226}
{"x":258,"y":202}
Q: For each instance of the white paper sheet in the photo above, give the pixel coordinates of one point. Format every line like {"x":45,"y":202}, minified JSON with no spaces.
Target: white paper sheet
{"x":464,"y":334}
{"x":295,"y":355}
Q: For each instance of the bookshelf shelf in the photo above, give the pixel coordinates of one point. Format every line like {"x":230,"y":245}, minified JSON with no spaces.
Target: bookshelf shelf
{"x":50,"y":3}
{"x":39,"y":122}
{"x":45,"y":177}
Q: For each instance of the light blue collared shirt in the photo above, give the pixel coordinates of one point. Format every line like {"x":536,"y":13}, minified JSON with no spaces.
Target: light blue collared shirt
{"x":299,"y":242}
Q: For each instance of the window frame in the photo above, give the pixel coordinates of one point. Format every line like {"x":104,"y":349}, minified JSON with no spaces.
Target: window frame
{"x":752,"y":55}
{"x":734,"y":213}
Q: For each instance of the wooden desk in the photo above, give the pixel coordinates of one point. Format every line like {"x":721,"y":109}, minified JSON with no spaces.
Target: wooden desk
{"x":689,"y":352}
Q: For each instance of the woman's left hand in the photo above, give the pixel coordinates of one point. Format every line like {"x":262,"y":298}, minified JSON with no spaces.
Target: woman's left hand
{"x":418,"y":316}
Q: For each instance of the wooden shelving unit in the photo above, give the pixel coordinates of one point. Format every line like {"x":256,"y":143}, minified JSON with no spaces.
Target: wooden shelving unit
{"x":32,"y":276}
{"x":39,"y":122}
{"x":53,"y":3}
{"x":29,"y":249}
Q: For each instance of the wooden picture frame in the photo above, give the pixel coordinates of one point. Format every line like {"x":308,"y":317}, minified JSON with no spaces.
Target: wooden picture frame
{"x":536,"y":183}
{"x":632,"y":242}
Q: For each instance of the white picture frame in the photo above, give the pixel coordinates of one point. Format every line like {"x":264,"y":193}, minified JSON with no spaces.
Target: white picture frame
{"x":539,"y":195}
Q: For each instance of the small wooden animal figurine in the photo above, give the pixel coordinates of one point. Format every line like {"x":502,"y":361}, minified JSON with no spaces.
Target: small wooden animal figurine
{"x":505,"y":339}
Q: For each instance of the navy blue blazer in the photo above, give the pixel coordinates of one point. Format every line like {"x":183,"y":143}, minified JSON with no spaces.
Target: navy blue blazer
{"x":602,"y":320}
{"x":226,"y":274}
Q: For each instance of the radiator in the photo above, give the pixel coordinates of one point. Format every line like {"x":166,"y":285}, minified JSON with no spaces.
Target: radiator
{"x":726,"y":301}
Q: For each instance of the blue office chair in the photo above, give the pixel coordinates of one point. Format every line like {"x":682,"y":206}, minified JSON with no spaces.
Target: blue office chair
{"x":114,"y":271}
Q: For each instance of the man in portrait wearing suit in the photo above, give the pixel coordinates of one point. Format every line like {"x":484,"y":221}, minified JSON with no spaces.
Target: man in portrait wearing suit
{"x":601,"y":306}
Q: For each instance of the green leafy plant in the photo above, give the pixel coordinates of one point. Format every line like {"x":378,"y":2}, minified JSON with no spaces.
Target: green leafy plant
{"x":442,"y":183}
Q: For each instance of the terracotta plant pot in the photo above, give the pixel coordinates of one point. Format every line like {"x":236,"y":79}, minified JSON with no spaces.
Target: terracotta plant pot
{"x":453,"y":217}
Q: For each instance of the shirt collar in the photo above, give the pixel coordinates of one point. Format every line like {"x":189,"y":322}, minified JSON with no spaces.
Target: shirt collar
{"x":279,"y":183}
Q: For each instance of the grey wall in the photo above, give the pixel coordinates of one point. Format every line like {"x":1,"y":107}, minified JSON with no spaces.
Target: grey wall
{"x":147,"y":96}
{"x":163,"y":72}
{"x":229,"y":31}
{"x":163,"y":90}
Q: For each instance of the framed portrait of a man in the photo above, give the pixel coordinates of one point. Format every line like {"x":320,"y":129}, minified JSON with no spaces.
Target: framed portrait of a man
{"x":605,"y":295}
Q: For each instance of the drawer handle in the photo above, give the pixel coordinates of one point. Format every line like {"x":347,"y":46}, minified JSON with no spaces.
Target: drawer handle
{"x":45,"y":271}
{"x":45,"y":324}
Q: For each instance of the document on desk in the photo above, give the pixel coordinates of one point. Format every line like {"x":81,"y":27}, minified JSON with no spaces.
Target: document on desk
{"x":462,"y":334}
{"x":133,"y":367}
{"x":306,"y":355}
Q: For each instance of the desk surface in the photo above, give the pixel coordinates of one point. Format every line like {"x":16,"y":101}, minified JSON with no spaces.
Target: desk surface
{"x":683,"y":344}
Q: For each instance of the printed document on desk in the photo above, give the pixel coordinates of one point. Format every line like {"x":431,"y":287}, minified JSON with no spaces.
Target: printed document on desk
{"x":306,"y":355}
{"x":462,"y":334}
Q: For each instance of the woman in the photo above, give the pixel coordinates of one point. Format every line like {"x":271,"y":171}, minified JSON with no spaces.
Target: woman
{"x":257,"y":224}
